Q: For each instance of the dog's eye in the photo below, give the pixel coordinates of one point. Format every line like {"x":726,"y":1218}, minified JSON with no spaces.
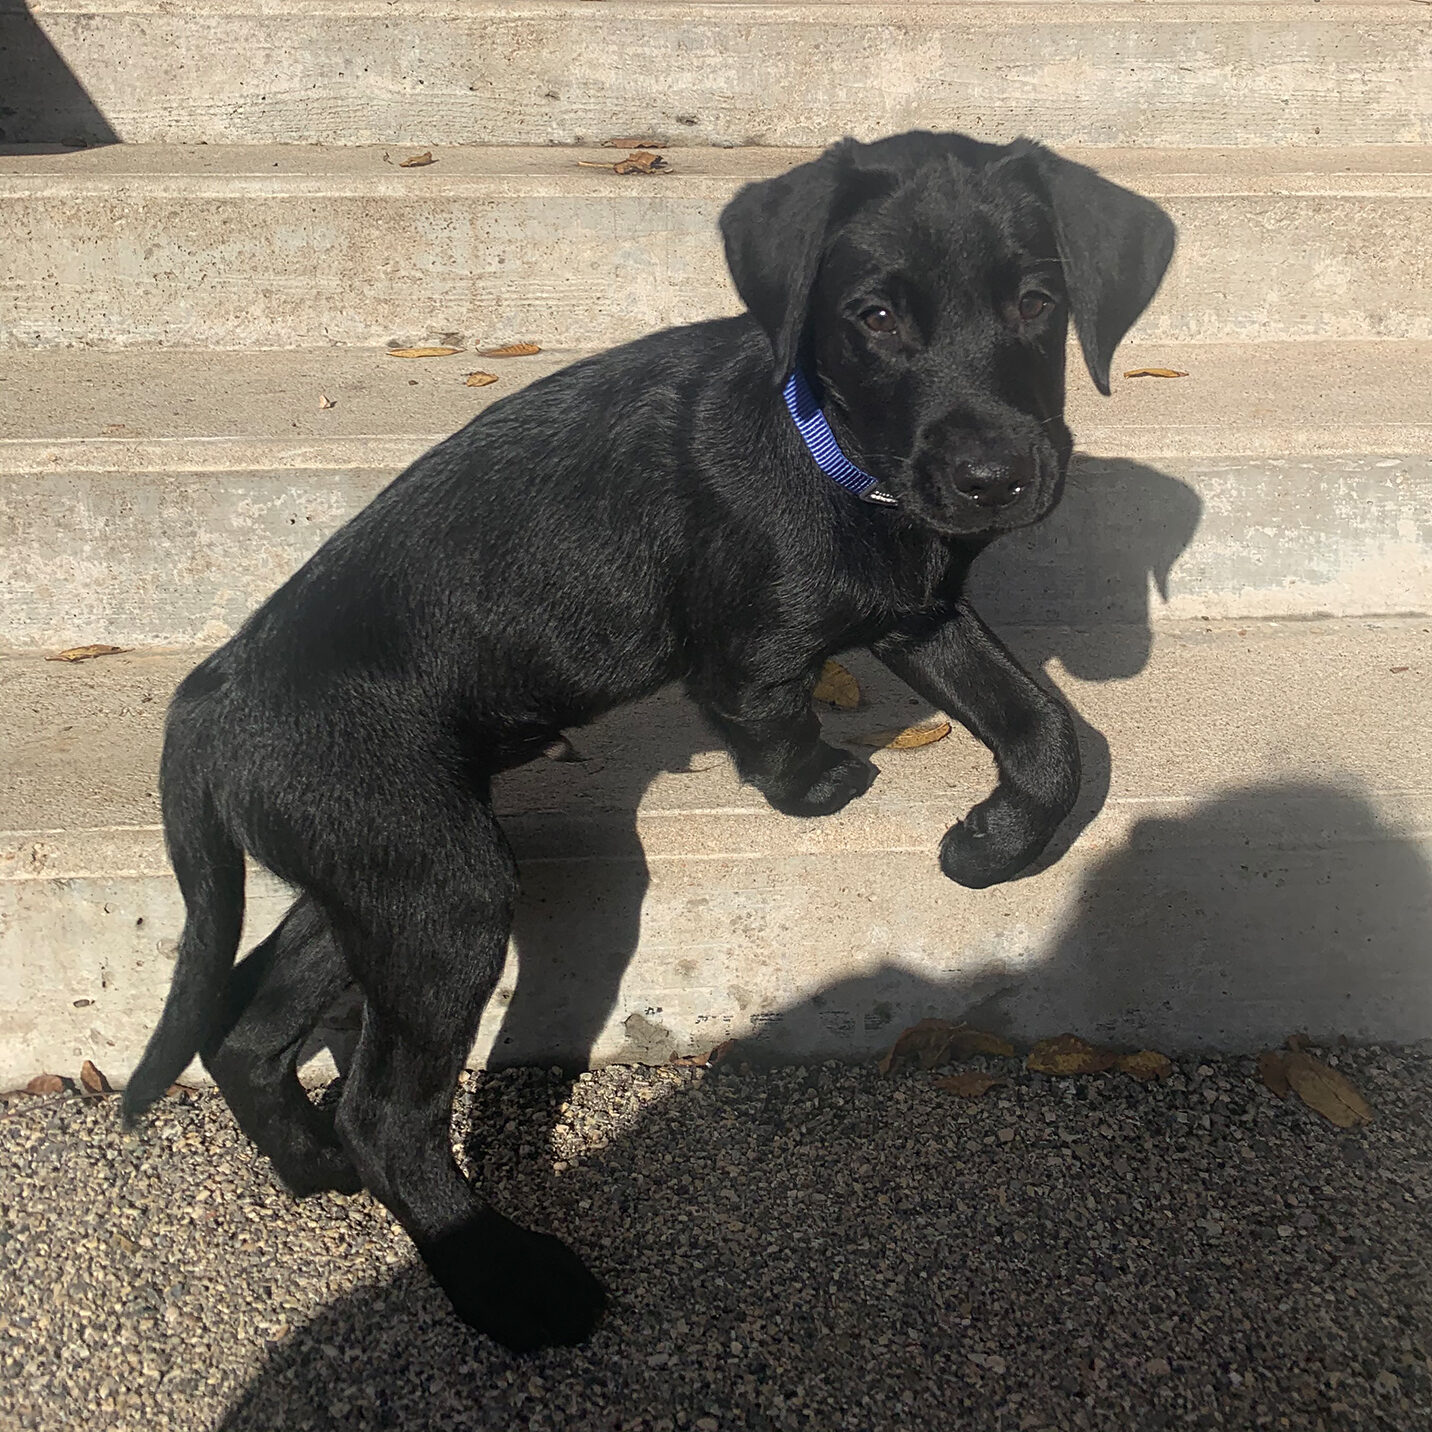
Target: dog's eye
{"x":880,"y":320}
{"x":1033,"y":303}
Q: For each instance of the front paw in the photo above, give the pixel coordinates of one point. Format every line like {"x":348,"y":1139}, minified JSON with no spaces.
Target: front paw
{"x":837,"y":780}
{"x":994,"y":842}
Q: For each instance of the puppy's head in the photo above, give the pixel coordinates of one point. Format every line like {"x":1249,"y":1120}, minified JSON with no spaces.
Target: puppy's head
{"x":926,"y":282}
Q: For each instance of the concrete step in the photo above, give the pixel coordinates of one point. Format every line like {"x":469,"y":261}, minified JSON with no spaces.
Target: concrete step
{"x":207,"y":246}
{"x":158,"y":497}
{"x":1259,"y":864}
{"x":543,"y":71}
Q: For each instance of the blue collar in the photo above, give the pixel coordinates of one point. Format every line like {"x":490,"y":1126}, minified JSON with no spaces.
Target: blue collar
{"x":804,"y":408}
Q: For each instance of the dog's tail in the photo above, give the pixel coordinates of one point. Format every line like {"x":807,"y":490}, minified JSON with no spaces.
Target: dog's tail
{"x":209,"y":864}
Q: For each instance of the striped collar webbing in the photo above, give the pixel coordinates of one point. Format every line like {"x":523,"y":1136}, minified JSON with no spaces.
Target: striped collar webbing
{"x":804,"y":408}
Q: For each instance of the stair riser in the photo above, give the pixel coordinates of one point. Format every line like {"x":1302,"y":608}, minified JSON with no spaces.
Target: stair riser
{"x":172,"y":558}
{"x":1174,"y":925}
{"x":777,"y":74}
{"x":181,"y":263}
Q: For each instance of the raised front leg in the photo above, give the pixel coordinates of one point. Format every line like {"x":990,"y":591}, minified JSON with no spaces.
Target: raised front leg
{"x":774,"y":736}
{"x":963,"y":668}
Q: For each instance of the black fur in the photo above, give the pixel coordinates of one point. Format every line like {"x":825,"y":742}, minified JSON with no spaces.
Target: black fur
{"x":646,"y":516}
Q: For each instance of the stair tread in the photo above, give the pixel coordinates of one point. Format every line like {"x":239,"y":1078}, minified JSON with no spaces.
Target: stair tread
{"x":222,"y":410}
{"x":1217,"y":704}
{"x":276,"y":169}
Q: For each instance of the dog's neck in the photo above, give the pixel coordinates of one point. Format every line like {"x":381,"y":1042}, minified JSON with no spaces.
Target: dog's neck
{"x":803,"y":404}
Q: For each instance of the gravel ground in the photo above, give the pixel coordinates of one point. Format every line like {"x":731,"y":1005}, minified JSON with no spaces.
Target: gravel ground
{"x":804,"y":1248}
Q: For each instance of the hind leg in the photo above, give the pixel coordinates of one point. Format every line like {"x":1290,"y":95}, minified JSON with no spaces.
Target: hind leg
{"x":425,"y":941}
{"x":275,"y":997}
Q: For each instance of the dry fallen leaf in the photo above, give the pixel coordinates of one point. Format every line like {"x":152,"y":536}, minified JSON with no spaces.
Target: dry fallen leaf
{"x":177,"y":1091}
{"x":639,"y":161}
{"x":634,"y":144}
{"x":1145,"y":1065}
{"x":838,"y":687}
{"x":702,"y":1061}
{"x":422,"y":352}
{"x":928,"y":1042}
{"x":93,"y":1080}
{"x":1068,"y":1054}
{"x":87,"y":653}
{"x":1273,"y":1072}
{"x":965,"y":1043}
{"x":480,"y":380}
{"x":1326,"y":1091}
{"x":1396,"y":669}
{"x":45,"y":1084}
{"x":967,"y":1084}
{"x":324,"y":401}
{"x":510,"y":350}
{"x":908,"y":739}
{"x":1298,"y":1042}
{"x":417,"y":161}
{"x":1154,"y":373}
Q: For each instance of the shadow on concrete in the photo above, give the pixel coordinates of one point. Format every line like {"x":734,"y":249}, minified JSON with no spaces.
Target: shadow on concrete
{"x":869,"y":1262}
{"x":41,"y":100}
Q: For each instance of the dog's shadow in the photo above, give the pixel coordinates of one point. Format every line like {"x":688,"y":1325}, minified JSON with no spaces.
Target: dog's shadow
{"x":805,"y":1229}
{"x":1076,"y":590}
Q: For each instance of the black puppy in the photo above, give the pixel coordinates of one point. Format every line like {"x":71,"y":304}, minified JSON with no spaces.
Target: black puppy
{"x":813,"y":476}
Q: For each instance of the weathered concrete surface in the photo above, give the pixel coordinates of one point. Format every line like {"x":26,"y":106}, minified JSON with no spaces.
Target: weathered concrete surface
{"x":206,"y":246}
{"x":157,"y":498}
{"x":437,"y":72}
{"x":1260,"y":864}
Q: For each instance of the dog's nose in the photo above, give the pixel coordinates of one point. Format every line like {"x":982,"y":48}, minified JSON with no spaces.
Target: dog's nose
{"x":991,"y":484}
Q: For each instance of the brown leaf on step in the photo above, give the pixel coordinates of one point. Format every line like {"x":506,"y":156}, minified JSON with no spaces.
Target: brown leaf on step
{"x":1068,"y":1054}
{"x":1396,"y":669}
{"x":908,"y":739}
{"x":1154,"y":373}
{"x":479,"y":380}
{"x":87,"y":653}
{"x":510,"y":350}
{"x":93,"y":1080}
{"x":1145,"y":1065}
{"x":1326,"y":1091}
{"x":703,"y":1061}
{"x":1274,"y":1073}
{"x":837,"y":687}
{"x":927,"y":1042}
{"x":422,"y":352}
{"x":641,"y":161}
{"x":324,"y":401}
{"x":46,"y":1084}
{"x":634,"y":144}
{"x":1298,"y":1042}
{"x":117,"y":430}
{"x":966,"y":1043}
{"x":177,"y":1091}
{"x":968,"y":1085}
{"x":561,"y":750}
{"x":417,"y":161}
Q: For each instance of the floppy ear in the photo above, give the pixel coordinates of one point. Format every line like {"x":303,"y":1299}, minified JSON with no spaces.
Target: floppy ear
{"x":1115,"y":246}
{"x":775,"y":232}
